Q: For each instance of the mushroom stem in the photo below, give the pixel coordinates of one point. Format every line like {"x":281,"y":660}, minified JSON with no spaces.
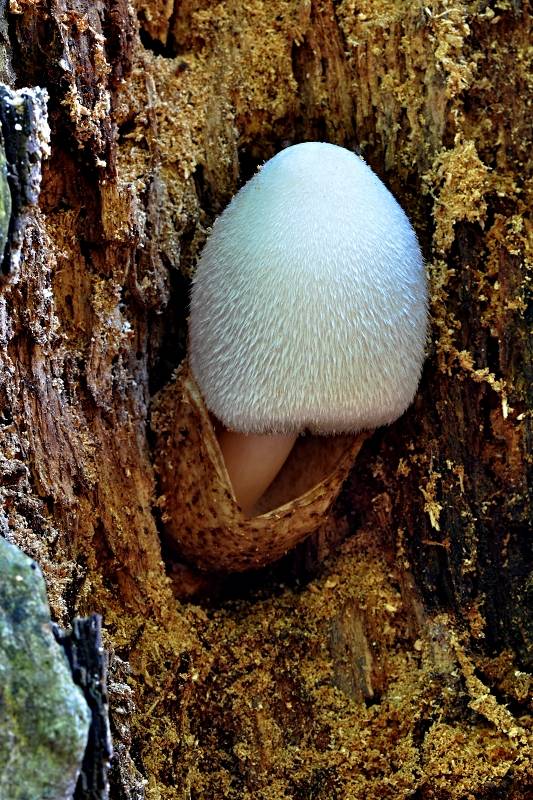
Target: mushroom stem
{"x":252,"y":462}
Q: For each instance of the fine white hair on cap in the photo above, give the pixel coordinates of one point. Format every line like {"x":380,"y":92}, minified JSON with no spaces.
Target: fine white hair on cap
{"x":309,"y":304}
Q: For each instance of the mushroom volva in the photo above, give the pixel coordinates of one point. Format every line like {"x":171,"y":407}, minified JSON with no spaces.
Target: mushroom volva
{"x":308,"y":310}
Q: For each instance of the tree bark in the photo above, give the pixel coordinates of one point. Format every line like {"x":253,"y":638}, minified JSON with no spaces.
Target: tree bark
{"x":390,"y":664}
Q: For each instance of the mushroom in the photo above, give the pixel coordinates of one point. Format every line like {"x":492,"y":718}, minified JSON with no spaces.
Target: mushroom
{"x":308,"y":311}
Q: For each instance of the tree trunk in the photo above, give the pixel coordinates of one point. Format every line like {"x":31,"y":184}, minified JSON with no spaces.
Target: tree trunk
{"x":390,"y":664}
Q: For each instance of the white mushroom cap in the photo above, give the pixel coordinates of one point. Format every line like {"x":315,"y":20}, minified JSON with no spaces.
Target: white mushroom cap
{"x":309,"y":304}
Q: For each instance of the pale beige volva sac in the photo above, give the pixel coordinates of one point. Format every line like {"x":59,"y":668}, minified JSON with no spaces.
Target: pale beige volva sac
{"x":198,"y":507}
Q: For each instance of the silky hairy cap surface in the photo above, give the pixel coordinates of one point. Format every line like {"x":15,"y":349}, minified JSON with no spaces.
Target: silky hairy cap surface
{"x":309,"y":304}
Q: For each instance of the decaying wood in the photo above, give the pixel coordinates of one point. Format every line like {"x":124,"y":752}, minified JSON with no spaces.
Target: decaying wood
{"x":392,"y":665}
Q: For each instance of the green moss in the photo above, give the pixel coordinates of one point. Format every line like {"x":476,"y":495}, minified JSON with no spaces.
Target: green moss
{"x":44,"y":720}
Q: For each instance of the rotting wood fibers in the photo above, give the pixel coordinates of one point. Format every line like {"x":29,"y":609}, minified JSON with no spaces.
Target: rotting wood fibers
{"x":393,"y":665}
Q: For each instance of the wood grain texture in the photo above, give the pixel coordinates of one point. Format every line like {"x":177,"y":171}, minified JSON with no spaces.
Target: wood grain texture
{"x":392,"y":665}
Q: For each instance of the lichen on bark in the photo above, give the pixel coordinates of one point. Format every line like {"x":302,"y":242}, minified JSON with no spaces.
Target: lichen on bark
{"x":44,"y":719}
